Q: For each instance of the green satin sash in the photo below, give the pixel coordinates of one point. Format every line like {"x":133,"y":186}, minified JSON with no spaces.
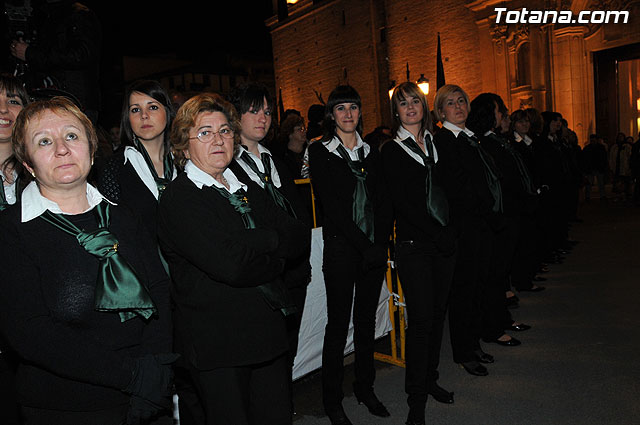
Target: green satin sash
{"x":274,"y":293}
{"x":362,"y":211}
{"x":490,"y":172}
{"x":525,"y":177}
{"x":437,"y":204}
{"x":265,"y":177}
{"x":118,"y":288}
{"x":161,"y":182}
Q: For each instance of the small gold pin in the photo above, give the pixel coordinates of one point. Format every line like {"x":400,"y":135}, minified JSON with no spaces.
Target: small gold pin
{"x":115,"y":247}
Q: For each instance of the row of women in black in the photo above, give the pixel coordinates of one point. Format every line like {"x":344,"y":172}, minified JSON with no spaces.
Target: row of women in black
{"x":463,"y":201}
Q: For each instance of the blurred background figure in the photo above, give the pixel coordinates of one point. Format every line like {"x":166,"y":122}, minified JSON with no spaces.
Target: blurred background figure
{"x":620,"y":167}
{"x":595,"y":163}
{"x":65,"y":52}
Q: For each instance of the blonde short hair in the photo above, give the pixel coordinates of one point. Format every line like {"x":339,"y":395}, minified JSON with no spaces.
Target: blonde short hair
{"x":441,"y":96}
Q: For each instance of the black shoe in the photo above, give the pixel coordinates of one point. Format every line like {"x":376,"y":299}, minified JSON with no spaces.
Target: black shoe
{"x":439,"y":393}
{"x":483,"y":357}
{"x":337,"y":416}
{"x":474,"y":368}
{"x":543,"y":269}
{"x":539,"y":279}
{"x":534,"y":288}
{"x":508,"y":343}
{"x":374,"y":405}
{"x":519,"y":328}
{"x":421,"y":422}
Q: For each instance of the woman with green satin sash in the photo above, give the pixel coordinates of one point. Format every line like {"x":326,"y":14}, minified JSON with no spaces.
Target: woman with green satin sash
{"x":85,"y":302}
{"x":425,"y":242}
{"x":345,"y":178}
{"x":227,"y":244}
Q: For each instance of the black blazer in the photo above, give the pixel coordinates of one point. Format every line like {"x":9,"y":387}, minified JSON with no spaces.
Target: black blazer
{"x":333,"y":184}
{"x":297,"y":271}
{"x":220,"y":318}
{"x":515,"y":198}
{"x":405,"y":188}
{"x":463,"y":176}
{"x":120,"y":183}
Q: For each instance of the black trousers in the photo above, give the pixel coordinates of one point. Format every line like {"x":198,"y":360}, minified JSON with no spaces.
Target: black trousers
{"x":8,"y":404}
{"x":474,"y":252}
{"x":495,"y":314}
{"x":526,"y":259}
{"x":343,"y":271}
{"x":425,"y":275}
{"x":113,"y":416}
{"x":246,"y":395}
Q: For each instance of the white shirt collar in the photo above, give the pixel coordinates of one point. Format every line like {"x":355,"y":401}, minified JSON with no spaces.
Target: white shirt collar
{"x":332,"y":146}
{"x":527,"y":140}
{"x":275,"y":178}
{"x":136,"y":158}
{"x":201,"y":178}
{"x":456,"y":130}
{"x":403,"y":134}
{"x":34,"y":204}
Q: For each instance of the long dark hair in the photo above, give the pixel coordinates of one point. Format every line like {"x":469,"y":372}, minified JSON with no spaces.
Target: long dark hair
{"x":154,"y":90}
{"x":341,"y":94}
{"x":482,"y":117}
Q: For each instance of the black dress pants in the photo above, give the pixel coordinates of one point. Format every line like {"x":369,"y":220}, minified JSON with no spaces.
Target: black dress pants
{"x":526,"y":259}
{"x":425,"y":275}
{"x":495,"y":314}
{"x":246,"y":395}
{"x":343,"y":271}
{"x":474,"y":252}
{"x":8,"y":404}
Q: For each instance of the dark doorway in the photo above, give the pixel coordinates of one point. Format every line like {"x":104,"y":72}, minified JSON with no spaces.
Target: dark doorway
{"x":608,"y":65}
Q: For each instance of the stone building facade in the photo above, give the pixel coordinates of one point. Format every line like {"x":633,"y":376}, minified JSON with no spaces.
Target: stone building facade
{"x":372,"y":44}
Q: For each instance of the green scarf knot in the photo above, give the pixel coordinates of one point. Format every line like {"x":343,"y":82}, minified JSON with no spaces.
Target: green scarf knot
{"x":362,"y":211}
{"x":437,"y":204}
{"x":118,"y":288}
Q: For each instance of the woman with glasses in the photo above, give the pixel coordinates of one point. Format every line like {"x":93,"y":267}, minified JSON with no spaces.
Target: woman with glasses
{"x":344,"y":174}
{"x":227,"y":244}
{"x":138,"y":172}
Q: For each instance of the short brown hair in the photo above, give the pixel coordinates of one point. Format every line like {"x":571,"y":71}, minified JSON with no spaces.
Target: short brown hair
{"x":186,"y":117}
{"x":57,"y":105}
{"x":441,"y":96}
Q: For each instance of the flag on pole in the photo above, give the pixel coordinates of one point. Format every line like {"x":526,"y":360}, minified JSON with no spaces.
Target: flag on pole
{"x":280,"y":105}
{"x":439,"y":67}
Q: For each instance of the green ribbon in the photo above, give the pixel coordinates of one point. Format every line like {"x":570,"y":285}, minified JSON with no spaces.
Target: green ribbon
{"x":274,"y":293}
{"x":266,"y":179}
{"x":362,"y":209}
{"x":523,"y":170}
{"x":490,"y":172}
{"x":437,"y":204}
{"x":118,"y":288}
{"x":161,"y":182}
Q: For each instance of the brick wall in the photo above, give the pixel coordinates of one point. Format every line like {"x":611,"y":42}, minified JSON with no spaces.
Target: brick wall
{"x":342,"y":41}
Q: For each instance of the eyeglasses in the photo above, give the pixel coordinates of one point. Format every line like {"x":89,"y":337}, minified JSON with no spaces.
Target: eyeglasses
{"x":207,"y":136}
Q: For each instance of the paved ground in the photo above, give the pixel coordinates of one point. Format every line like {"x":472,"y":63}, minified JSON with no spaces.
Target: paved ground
{"x":579,"y":364}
